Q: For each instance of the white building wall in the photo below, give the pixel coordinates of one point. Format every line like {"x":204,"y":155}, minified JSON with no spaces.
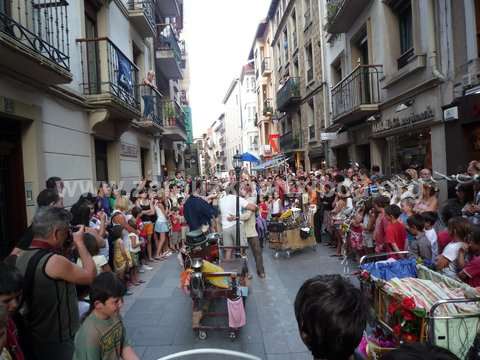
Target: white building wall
{"x":249,"y":110}
{"x":233,"y":128}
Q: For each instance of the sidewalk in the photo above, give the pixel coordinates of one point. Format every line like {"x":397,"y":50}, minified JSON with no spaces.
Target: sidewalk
{"x":158,"y":315}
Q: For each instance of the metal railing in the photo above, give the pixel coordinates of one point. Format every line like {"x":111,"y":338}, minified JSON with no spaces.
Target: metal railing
{"x":266,"y":66}
{"x":405,"y":58}
{"x":360,"y":87}
{"x":267,"y":107}
{"x":332,"y":9}
{"x":289,"y":142}
{"x":290,"y":91}
{"x":151,"y":103}
{"x":172,"y":115}
{"x":107,"y":70}
{"x":167,"y":40}
{"x":146,"y":6}
{"x":41,"y":26}
{"x":311,"y":132}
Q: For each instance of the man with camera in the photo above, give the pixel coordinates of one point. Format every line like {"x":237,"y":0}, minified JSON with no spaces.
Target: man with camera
{"x":50,"y":308}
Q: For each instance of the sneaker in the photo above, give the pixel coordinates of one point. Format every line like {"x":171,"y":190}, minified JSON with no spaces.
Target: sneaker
{"x":147,"y":267}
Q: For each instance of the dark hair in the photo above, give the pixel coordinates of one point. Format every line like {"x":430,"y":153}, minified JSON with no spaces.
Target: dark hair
{"x":116,"y":232}
{"x":91,"y":244}
{"x":105,"y":286}
{"x":460,"y":227}
{"x":180,"y":200}
{"x":468,"y":191}
{"x":80,"y":214}
{"x":381,"y":201}
{"x":474,"y":235}
{"x":331,"y":315}
{"x":51,"y":182}
{"x":47,"y":197}
{"x":430,"y":217}
{"x":417,"y":221}
{"x":393,"y":210}
{"x":419,"y":351}
{"x":339,"y":178}
{"x":11,"y":280}
{"x":375,"y":168}
{"x":136,"y":211}
{"x":451,"y":210}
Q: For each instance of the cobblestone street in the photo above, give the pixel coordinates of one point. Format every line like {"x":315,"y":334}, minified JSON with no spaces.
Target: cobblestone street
{"x":158,"y":317}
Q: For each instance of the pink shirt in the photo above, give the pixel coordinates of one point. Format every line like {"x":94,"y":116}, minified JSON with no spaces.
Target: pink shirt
{"x":379,"y":233}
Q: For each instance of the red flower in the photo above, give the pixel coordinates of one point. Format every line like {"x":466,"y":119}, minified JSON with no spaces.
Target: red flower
{"x":397,"y":330}
{"x":407,"y":315}
{"x":409,"y":303}
{"x":393,"y":307}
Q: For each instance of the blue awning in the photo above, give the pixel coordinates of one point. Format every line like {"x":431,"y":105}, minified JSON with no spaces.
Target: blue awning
{"x":249,"y":157}
{"x":271,"y":163}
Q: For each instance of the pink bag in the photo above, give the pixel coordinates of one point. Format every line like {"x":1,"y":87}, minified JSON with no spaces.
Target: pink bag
{"x":236,"y":313}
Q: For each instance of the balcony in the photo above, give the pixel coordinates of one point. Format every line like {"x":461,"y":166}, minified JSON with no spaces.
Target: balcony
{"x":341,"y":14}
{"x":266,"y":150}
{"x":173,"y":121}
{"x":168,"y":8}
{"x":289,"y":94}
{"x":266,"y":67}
{"x":267,"y":107}
{"x":151,"y":107}
{"x":142,"y":15}
{"x":168,"y":52}
{"x":109,"y":78}
{"x":358,"y":95}
{"x":289,"y":142}
{"x":34,"y":40}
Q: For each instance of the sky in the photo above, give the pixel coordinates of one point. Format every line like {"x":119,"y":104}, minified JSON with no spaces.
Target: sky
{"x":218,"y":35}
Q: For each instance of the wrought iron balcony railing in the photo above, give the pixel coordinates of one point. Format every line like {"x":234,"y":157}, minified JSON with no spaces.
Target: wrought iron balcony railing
{"x":41,"y":26}
{"x":172,"y":115}
{"x":289,"y":142}
{"x":266,"y":66}
{"x":360,"y":87}
{"x":167,"y":40}
{"x":147,"y":7}
{"x":151,"y":103}
{"x":107,"y":70}
{"x":289,"y":93}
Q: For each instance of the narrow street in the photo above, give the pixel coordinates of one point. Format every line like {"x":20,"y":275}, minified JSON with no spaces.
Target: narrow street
{"x":158,"y":317}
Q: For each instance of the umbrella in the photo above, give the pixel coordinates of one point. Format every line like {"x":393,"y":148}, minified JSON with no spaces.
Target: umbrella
{"x":250,"y":158}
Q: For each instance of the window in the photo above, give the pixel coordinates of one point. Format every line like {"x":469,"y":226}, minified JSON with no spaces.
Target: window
{"x":309,"y":62}
{"x":285,"y":44}
{"x":307,"y":13}
{"x":101,"y":166}
{"x":294,"y":30}
{"x":477,"y":20}
{"x":295,"y":68}
{"x":406,"y":34}
{"x":279,"y":55}
{"x":311,"y":119}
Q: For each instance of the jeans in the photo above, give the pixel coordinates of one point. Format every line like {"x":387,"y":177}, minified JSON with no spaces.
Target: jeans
{"x":257,"y":253}
{"x":148,"y":102}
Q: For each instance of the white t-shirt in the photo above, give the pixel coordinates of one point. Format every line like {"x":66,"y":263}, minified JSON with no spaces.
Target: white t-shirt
{"x":228,"y":206}
{"x":276,"y":206}
{"x":433,"y":238}
{"x":132,"y":249}
{"x":99,"y":261}
{"x":451,"y":253}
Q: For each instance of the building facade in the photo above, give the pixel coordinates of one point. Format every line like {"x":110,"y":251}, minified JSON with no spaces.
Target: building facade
{"x":73,"y":102}
{"x":248,"y":95}
{"x":298,"y":80}
{"x":233,"y":122}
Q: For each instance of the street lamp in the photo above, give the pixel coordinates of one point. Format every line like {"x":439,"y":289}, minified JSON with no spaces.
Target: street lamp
{"x":237,"y":165}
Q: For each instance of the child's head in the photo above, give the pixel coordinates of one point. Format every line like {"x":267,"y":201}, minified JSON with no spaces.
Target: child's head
{"x":11,"y":285}
{"x":459,"y":228}
{"x":418,"y":351}
{"x":474,"y":240}
{"x":180,"y":201}
{"x":175,"y":210}
{"x":265,"y":198}
{"x":276,"y":195}
{"x":407,"y":205}
{"x":132,"y":223}
{"x":392,"y":212}
{"x":91,"y":244}
{"x":106,"y":294}
{"x":116,"y":231}
{"x":430,"y":218}
{"x":381,"y":202}
{"x":136,"y":212}
{"x":331,"y":316}
{"x":416,"y":224}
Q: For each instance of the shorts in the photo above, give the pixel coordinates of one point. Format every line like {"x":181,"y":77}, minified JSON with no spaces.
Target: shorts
{"x":161,"y":227}
{"x":230,"y":234}
{"x":175,"y":237}
{"x":135,"y":259}
{"x":148,"y":228}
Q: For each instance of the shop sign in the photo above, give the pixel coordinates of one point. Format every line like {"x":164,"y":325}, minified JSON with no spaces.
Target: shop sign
{"x":324,"y":136}
{"x":128,"y":150}
{"x":397,"y":122}
{"x":450,"y":114}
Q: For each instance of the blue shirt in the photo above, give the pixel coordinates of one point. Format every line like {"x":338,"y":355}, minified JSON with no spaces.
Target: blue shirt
{"x":198,"y":212}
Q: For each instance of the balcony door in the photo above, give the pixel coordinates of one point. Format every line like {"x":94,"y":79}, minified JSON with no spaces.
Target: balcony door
{"x":91,"y":32}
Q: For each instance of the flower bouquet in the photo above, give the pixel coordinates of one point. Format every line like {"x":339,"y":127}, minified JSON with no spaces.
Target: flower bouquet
{"x":407,"y":320}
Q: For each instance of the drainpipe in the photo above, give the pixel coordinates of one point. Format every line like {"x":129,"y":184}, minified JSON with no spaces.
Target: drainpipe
{"x":326,"y":87}
{"x":432,"y":43}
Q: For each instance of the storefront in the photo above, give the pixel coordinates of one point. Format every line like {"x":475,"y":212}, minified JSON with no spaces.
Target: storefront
{"x":462,"y":132}
{"x":339,"y":147}
{"x":404,"y":138}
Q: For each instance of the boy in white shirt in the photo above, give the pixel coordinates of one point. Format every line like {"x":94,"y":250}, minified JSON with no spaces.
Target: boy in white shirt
{"x":431,"y":218}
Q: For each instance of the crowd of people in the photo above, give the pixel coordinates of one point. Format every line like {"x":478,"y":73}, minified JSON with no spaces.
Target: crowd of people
{"x":62,"y":288}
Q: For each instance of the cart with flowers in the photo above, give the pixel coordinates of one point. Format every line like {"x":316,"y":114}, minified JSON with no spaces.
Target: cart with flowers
{"x":413,"y":303}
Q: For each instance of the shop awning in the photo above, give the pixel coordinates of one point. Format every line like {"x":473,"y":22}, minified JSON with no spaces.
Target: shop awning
{"x":249,"y":157}
{"x":271,"y":163}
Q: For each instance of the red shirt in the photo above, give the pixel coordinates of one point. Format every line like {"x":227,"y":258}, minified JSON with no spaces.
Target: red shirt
{"x":176,"y":223}
{"x":443,"y":240}
{"x":472,"y":269}
{"x":263,"y":210}
{"x":396,"y":234}
{"x":379,"y":233}
{"x":140,"y":228}
{"x":13,"y":346}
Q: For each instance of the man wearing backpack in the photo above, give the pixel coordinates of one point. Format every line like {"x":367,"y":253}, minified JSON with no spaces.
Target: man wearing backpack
{"x":50,"y":308}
